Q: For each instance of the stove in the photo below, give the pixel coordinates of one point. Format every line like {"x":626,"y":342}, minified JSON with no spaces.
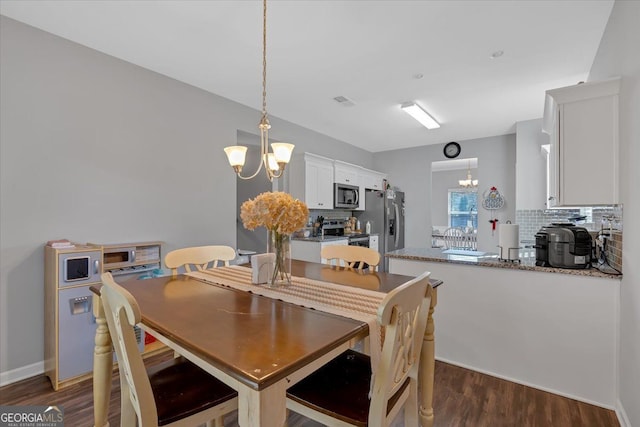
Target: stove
{"x":333,"y":227}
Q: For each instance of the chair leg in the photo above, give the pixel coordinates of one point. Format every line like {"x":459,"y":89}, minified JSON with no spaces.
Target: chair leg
{"x":411,"y":406}
{"x":218,"y":422}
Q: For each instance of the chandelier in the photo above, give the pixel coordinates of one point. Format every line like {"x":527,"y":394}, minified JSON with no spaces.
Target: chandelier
{"x":469,"y":182}
{"x":273,"y":162}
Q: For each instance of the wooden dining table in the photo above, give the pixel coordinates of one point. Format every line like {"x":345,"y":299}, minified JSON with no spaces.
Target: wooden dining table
{"x":257,"y":345}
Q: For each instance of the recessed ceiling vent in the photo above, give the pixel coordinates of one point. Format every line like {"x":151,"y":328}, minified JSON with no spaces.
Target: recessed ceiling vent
{"x":343,"y":100}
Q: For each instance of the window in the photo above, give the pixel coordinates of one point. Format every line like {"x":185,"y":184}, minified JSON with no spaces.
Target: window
{"x":463,"y":208}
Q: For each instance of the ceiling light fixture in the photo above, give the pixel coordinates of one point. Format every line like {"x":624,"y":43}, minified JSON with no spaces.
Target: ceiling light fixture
{"x":274,"y":163}
{"x":415,"y":111}
{"x":469,"y":182}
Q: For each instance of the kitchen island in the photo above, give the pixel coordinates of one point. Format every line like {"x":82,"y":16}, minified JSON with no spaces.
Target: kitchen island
{"x":553,"y":329}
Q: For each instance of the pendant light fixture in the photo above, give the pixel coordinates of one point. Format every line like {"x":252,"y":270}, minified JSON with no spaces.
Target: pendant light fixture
{"x":273,"y":162}
{"x":469,"y":182}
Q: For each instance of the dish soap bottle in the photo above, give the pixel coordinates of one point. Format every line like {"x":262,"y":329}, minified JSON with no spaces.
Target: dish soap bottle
{"x":367,"y":228}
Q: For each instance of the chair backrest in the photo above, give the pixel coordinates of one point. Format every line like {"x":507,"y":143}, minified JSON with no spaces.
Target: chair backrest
{"x":403,"y":316}
{"x":455,"y":237}
{"x":472,"y":240}
{"x":351,"y":255}
{"x":199,"y":257}
{"x":122,"y":313}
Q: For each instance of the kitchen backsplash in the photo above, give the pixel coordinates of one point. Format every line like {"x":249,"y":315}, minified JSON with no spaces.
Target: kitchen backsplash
{"x":598,"y":218}
{"x":614,"y":250}
{"x":330,"y":214}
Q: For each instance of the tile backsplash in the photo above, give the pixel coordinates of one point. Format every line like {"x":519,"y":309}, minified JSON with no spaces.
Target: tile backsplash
{"x":597,"y":219}
{"x":614,"y":250}
{"x":330,"y":214}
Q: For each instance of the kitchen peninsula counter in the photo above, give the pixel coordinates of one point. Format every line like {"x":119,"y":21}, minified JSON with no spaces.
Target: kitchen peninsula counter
{"x":489,"y":260}
{"x":555,"y":332}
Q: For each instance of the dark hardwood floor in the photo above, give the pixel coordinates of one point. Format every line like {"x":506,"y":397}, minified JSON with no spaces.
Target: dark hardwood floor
{"x":462,"y":398}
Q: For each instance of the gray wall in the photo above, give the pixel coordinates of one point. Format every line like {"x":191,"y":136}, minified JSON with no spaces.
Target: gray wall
{"x":531,"y":165}
{"x":97,"y":149}
{"x":255,"y":240}
{"x":618,"y":56}
{"x":410,"y":170}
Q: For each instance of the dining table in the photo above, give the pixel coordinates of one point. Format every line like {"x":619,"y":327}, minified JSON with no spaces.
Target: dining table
{"x":256,"y":339}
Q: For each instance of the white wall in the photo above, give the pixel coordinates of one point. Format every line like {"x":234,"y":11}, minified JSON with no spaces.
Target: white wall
{"x":551,"y":331}
{"x":97,"y":149}
{"x":531,"y":165}
{"x":618,"y":56}
{"x":410,"y":170}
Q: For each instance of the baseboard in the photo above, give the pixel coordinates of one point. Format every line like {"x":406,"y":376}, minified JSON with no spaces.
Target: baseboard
{"x":622,"y":415}
{"x":21,"y":373}
{"x":536,"y":386}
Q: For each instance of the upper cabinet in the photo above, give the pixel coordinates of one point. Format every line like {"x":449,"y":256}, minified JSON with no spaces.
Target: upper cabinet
{"x":372,"y":180}
{"x":582,"y":122}
{"x":311,"y":180}
{"x":345,"y":173}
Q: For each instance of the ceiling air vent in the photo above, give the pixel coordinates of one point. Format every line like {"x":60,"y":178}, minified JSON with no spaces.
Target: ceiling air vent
{"x":343,"y":100}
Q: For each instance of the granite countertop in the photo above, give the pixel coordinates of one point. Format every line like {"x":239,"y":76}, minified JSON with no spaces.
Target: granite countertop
{"x":487,"y":259}
{"x":328,"y":238}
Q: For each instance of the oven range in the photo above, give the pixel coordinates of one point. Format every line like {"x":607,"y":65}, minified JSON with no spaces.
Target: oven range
{"x":335,"y":227}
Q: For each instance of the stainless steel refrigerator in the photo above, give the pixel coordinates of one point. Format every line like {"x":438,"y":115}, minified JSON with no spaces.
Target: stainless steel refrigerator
{"x":385,"y":211}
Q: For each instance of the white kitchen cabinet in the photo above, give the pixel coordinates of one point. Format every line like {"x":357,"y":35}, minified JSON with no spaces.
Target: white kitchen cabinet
{"x":311,"y":180}
{"x":371,"y":180}
{"x":345,"y":173}
{"x":582,"y":121}
{"x":308,"y":250}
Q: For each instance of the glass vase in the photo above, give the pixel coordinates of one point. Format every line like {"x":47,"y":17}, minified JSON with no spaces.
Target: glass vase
{"x":280,"y":245}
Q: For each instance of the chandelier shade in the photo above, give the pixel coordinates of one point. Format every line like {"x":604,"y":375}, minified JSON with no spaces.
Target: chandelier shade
{"x":469,"y":182}
{"x":274,"y":162}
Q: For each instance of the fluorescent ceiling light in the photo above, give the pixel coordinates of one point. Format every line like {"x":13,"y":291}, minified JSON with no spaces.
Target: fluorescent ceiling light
{"x":415,"y":111}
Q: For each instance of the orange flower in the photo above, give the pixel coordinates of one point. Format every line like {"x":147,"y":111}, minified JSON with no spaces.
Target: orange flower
{"x":277,"y":211}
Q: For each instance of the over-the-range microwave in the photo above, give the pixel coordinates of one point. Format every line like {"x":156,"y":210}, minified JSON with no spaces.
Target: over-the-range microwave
{"x":346,"y":196}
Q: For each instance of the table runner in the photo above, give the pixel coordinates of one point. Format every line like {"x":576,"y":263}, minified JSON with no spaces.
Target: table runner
{"x":354,"y":303}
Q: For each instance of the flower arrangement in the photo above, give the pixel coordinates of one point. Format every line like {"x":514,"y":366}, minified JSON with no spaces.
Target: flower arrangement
{"x":276,"y":211}
{"x":281,"y":215}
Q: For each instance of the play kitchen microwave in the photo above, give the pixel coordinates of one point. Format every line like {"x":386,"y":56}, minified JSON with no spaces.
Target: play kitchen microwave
{"x":78,"y":268}
{"x":346,"y":196}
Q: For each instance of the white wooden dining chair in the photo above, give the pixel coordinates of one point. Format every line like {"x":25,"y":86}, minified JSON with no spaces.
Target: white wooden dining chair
{"x":198,"y":257}
{"x":351,"y":256}
{"x":472,"y":240}
{"x":174,"y":393}
{"x":338,"y":393}
{"x":455,"y":237}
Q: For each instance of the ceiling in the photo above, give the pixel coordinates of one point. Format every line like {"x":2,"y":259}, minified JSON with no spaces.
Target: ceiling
{"x":378,"y":54}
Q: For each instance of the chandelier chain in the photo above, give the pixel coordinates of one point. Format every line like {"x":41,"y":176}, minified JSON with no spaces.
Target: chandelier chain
{"x":264,"y":59}
{"x":273,"y":162}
